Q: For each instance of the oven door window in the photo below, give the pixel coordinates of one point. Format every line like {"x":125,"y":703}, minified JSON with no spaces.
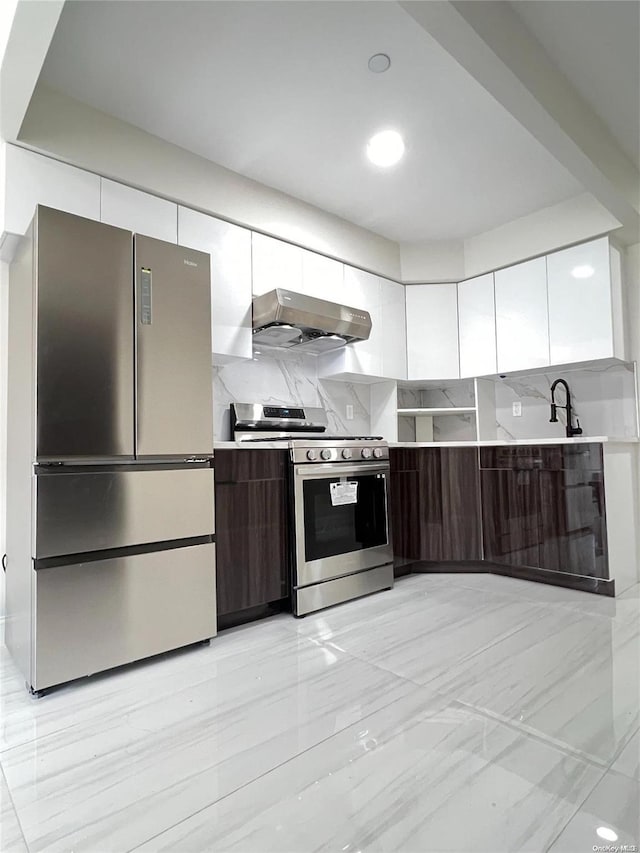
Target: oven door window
{"x":332,"y":530}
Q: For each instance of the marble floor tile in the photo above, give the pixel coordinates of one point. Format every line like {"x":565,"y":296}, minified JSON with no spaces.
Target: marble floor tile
{"x":11,"y":837}
{"x":25,"y":719}
{"x":319,"y":734}
{"x":419,"y":775}
{"x":625,"y":606}
{"x":114,"y":779}
{"x":413,"y":590}
{"x":568,"y":677}
{"x":628,"y":762}
{"x":436,"y":628}
{"x":609,"y":816}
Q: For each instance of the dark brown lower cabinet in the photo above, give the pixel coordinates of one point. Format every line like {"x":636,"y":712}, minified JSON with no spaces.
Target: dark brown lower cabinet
{"x":543,"y":507}
{"x":435,"y":509}
{"x":251,"y":528}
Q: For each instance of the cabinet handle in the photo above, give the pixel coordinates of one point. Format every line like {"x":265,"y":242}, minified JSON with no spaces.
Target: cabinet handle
{"x":4,"y":562}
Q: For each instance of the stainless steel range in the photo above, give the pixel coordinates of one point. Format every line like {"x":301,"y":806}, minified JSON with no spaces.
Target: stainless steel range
{"x":341,"y":545}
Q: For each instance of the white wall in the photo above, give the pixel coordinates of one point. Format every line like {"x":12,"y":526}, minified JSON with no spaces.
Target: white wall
{"x":437,"y":261}
{"x":4,"y":294}
{"x":572,"y":221}
{"x":631,"y":270}
{"x":92,"y":140}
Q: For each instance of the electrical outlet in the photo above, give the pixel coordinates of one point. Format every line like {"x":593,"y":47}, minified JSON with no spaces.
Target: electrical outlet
{"x":349,"y":412}
{"x":517,"y":410}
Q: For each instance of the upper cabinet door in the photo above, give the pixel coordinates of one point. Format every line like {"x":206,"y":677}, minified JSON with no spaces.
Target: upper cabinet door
{"x":275,"y":264}
{"x":362,"y":290}
{"x":322,"y":277}
{"x":477,"y":326}
{"x":393,"y":323}
{"x":139,"y":212}
{"x":32,"y":179}
{"x":432,"y":331}
{"x":230,"y":250}
{"x":522,"y":324}
{"x":580,"y":303}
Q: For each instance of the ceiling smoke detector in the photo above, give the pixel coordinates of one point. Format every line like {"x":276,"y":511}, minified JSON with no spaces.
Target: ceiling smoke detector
{"x":379,"y":62}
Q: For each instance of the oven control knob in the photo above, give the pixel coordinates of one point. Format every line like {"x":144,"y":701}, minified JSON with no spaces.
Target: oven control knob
{"x":366,"y":453}
{"x":377,"y":452}
{"x":346,"y":453}
{"x":326,"y":453}
{"x":312,"y":455}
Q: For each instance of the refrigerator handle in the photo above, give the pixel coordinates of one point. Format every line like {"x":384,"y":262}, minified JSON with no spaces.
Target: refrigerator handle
{"x":146,"y":296}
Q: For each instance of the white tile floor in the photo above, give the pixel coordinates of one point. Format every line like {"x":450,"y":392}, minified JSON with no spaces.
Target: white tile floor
{"x":454,"y":713}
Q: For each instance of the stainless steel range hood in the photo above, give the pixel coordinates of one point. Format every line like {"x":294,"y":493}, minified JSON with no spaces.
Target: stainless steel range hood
{"x":284,"y":319}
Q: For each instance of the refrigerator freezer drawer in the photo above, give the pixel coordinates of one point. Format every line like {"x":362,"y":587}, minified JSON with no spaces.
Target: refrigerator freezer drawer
{"x":94,"y":616}
{"x":91,"y":511}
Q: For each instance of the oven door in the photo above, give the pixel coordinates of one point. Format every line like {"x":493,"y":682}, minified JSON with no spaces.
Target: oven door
{"x":335,"y":539}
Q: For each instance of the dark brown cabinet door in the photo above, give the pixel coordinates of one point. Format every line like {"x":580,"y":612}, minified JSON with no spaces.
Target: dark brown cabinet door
{"x":434,"y":498}
{"x":543,"y":507}
{"x":460,"y":478}
{"x":404,"y":514}
{"x":404,"y":507}
{"x":511,"y":519}
{"x":573,"y":524}
{"x":251,"y":528}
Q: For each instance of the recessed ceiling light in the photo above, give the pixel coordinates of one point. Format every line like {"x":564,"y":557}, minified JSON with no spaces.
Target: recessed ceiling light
{"x":385,"y":148}
{"x":606,"y":833}
{"x":379,"y":62}
{"x":583,"y":271}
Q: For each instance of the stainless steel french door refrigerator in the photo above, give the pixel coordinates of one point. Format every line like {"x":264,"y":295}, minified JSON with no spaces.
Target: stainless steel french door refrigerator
{"x":110,"y":522}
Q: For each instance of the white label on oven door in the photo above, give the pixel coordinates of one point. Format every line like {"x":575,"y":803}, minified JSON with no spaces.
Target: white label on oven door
{"x":344,"y":493}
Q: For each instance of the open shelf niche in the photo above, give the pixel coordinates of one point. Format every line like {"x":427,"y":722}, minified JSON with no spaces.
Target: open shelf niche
{"x":457,"y":410}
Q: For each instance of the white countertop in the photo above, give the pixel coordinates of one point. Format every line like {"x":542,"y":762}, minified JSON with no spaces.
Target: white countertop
{"x":580,"y":439}
{"x":274,"y":444}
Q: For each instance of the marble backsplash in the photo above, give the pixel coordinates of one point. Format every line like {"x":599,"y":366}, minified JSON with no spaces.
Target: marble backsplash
{"x":288,"y":379}
{"x":603,"y":398}
{"x":460,"y":427}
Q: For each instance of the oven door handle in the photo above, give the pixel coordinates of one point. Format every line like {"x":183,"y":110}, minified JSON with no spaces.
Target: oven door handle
{"x":326,"y":469}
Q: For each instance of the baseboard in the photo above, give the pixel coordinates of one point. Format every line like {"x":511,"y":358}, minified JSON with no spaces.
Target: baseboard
{"x":598,"y":586}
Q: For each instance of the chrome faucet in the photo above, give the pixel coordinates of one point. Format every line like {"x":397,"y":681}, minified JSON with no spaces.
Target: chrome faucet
{"x":571,"y":430}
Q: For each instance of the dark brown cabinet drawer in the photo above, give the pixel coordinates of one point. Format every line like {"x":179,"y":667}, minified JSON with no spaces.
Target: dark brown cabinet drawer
{"x":547,"y":457}
{"x":246,"y":466}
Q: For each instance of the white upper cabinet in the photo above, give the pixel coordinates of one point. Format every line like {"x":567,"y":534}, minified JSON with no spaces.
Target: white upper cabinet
{"x":230,"y":250}
{"x":32,"y":179}
{"x":582,"y":297}
{"x":432,"y":331}
{"x":394,"y":329}
{"x":139,"y":212}
{"x":275,"y":264}
{"x":477,"y":326}
{"x":522,"y":324}
{"x":363,"y":359}
{"x":362,"y":290}
{"x":321,"y":277}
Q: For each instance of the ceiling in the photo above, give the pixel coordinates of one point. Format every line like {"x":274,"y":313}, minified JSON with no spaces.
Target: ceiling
{"x":596,"y":45}
{"x":280,"y":92}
